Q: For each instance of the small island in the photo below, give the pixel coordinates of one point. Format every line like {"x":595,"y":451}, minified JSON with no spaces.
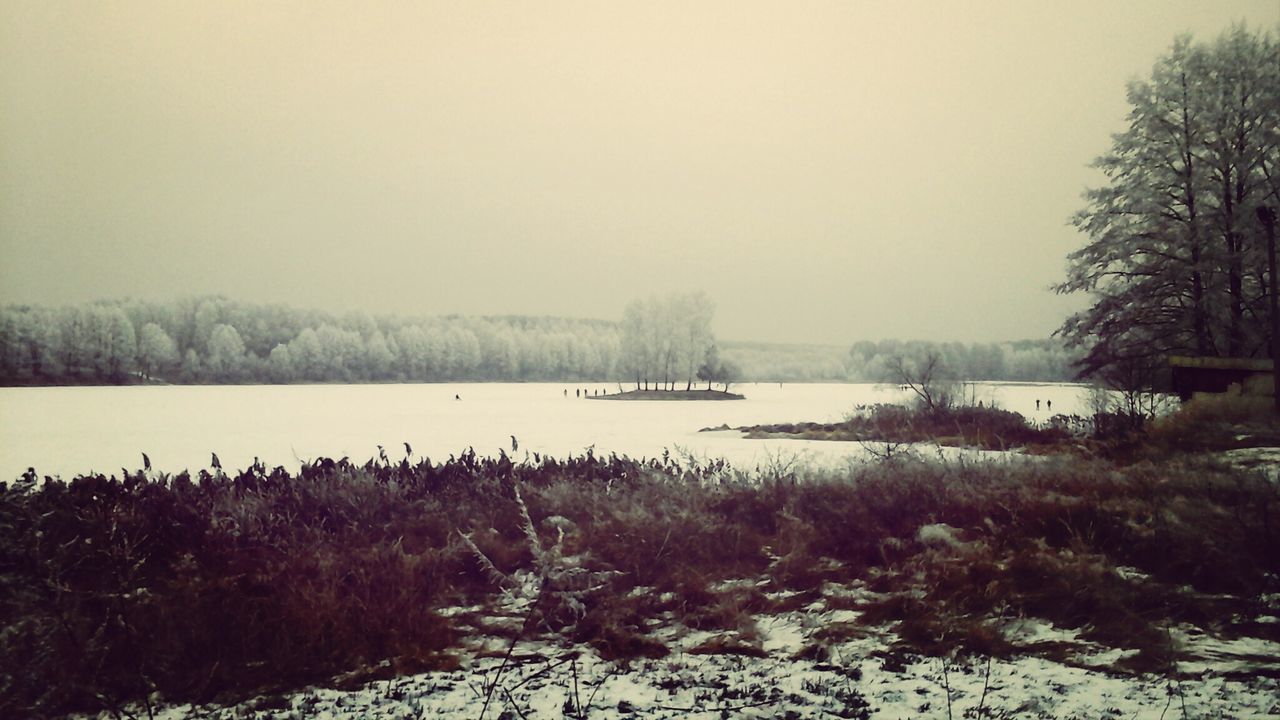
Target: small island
{"x":670,"y":395}
{"x":667,"y":342}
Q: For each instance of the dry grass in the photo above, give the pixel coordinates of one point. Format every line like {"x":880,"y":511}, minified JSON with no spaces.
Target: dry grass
{"x":959,"y":426}
{"x":221,"y":586}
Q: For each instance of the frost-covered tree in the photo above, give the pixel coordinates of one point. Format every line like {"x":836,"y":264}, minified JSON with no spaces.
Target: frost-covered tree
{"x":280,"y":365}
{"x":226,"y":353}
{"x":1173,"y":260}
{"x":413,"y":352}
{"x":192,"y":370}
{"x":378,"y":358}
{"x":30,"y":342}
{"x":464,"y":352}
{"x":156,"y":350}
{"x":77,"y":344}
{"x":341,"y":352}
{"x":709,"y":371}
{"x":730,"y":373}
{"x":113,"y":343}
{"x":665,"y":339}
{"x":634,"y":346}
{"x":307,"y":356}
{"x":696,"y":311}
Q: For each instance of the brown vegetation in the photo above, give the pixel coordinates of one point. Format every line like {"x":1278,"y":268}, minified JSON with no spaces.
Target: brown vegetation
{"x":959,"y":426}
{"x":219,"y":586}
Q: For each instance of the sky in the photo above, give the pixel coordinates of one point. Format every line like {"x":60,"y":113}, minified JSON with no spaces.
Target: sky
{"x":825,"y":171}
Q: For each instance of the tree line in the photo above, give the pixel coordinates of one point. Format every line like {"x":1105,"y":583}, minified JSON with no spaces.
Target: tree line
{"x":1176,"y":256}
{"x":1021,"y":361}
{"x":216,"y":340}
{"x":661,"y":342}
{"x":1044,"y":360}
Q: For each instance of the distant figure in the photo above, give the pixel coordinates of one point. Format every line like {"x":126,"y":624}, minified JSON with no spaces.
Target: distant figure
{"x":408,"y":451}
{"x":979,"y":404}
{"x":597,"y":392}
{"x":146,"y":462}
{"x":566,"y":392}
{"x":1037,"y":403}
{"x":215,"y":462}
{"x":1048,"y":405}
{"x":515,"y":445}
{"x":577,"y":392}
{"x":457,"y":397}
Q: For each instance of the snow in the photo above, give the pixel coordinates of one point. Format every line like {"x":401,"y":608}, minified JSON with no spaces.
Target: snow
{"x":72,"y":430}
{"x":859,"y":685}
{"x":863,"y":678}
{"x":1264,"y":459}
{"x":1237,"y":655}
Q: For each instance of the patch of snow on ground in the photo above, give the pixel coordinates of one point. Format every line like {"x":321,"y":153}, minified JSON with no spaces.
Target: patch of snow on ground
{"x":783,"y":635}
{"x":857,"y":674}
{"x":1029,"y":631}
{"x":861,"y":686}
{"x":1265,"y":459}
{"x":1240,"y":655}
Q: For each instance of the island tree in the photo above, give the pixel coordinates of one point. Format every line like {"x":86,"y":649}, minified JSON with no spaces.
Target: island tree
{"x":665,"y":340}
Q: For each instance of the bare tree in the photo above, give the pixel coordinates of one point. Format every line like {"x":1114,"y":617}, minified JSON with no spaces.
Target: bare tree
{"x":926,"y":376}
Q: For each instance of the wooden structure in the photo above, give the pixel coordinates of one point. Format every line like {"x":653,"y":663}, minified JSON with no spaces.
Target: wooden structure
{"x":1236,"y":376}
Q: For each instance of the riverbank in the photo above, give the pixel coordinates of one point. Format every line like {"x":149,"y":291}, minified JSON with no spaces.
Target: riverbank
{"x":1205,"y":427}
{"x":966,"y":427}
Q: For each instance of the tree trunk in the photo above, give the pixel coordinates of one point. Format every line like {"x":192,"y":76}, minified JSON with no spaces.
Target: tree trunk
{"x":1267,"y":217}
{"x":1199,"y":313}
{"x":1235,"y":280}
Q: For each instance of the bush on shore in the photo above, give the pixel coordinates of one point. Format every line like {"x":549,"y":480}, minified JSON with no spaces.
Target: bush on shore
{"x":219,"y":586}
{"x":963,"y":426}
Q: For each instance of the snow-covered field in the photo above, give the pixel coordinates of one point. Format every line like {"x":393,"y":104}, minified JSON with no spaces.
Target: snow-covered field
{"x":860,"y":686}
{"x":860,"y":675}
{"x":547,"y":681}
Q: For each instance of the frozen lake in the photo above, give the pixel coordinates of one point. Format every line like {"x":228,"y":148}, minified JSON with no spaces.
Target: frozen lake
{"x":71,"y":430}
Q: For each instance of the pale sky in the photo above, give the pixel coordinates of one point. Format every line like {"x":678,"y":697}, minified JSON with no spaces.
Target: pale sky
{"x":826,"y":172}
